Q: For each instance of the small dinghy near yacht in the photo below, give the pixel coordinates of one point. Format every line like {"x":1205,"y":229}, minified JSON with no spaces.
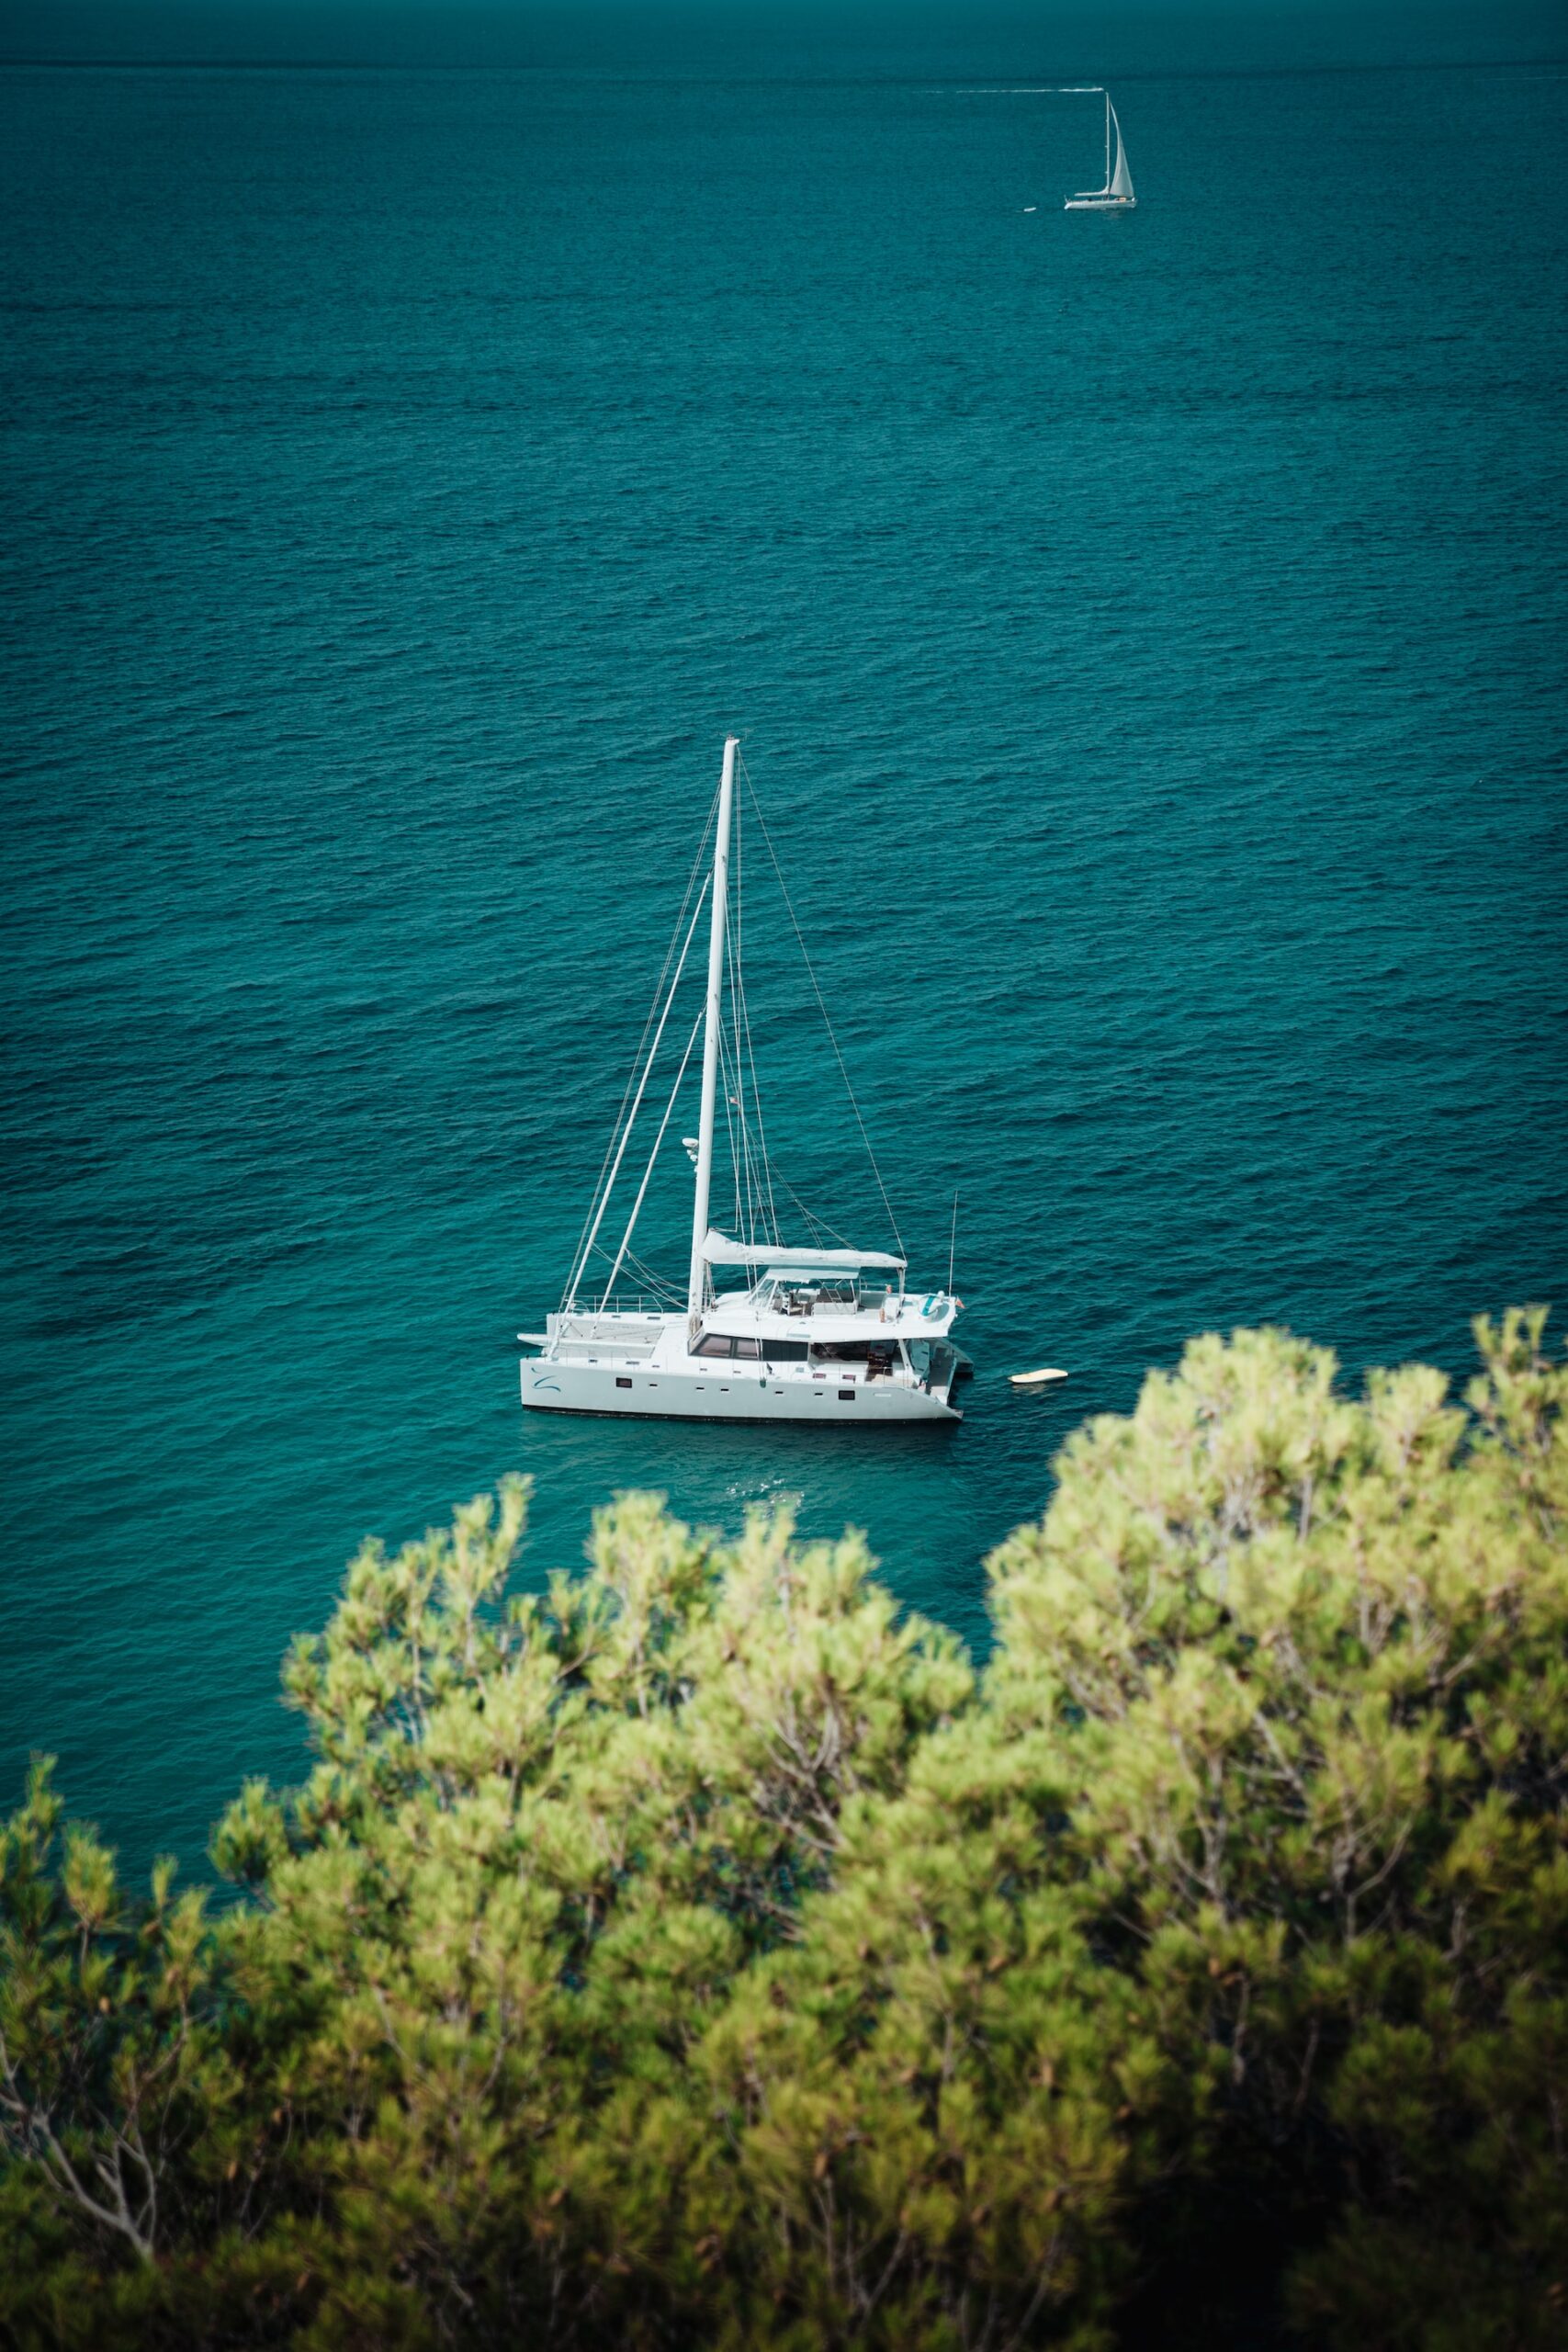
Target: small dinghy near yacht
{"x":799,"y":1332}
{"x":1117,"y":195}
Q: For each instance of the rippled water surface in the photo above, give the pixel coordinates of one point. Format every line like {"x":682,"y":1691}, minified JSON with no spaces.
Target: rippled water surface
{"x":1144,"y":634}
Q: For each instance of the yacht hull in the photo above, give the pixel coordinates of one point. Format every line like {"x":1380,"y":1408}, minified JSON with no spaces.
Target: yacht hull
{"x":676,"y":1395}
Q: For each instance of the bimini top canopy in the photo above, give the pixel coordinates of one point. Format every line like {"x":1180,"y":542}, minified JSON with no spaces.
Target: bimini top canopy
{"x":720,"y":1252}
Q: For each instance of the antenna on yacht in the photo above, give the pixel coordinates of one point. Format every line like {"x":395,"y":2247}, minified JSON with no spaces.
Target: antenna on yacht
{"x":717,"y":935}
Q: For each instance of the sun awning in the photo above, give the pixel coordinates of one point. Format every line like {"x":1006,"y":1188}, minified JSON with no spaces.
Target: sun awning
{"x":720,"y":1252}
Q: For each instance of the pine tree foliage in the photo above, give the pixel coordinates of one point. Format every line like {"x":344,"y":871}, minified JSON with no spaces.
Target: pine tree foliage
{"x":701,"y":1952}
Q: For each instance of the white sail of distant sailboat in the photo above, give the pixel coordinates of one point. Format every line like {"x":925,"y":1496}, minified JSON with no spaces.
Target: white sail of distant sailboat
{"x":1121,"y":179}
{"x":1117,"y":195}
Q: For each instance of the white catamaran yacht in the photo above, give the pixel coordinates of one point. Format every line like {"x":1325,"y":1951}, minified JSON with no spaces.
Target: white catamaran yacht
{"x":1117,"y":195}
{"x":799,"y":1332}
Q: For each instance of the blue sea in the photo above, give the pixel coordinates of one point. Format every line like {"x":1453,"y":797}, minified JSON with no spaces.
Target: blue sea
{"x":425,"y":437}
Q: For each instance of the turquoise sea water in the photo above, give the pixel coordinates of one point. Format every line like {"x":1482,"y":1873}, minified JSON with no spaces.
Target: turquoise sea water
{"x":1145,"y":635}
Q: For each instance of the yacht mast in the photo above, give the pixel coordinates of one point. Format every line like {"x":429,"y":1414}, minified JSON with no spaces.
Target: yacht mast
{"x":1107,"y":139}
{"x":711,"y":1032}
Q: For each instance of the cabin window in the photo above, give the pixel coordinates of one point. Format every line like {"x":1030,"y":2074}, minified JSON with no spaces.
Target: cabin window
{"x":714,"y":1344}
{"x":748,"y":1350}
{"x":620,"y":1383}
{"x":787,"y":1351}
{"x":846,"y":1395}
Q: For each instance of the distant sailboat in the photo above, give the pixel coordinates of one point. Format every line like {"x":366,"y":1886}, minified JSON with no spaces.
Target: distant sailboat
{"x":1117,"y":195}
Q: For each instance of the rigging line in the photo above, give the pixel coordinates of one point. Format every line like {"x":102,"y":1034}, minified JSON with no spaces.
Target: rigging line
{"x":614,"y":1135}
{"x":739,"y":1016}
{"x":622,"y":1133}
{"x":649,"y":1279}
{"x":821,"y":1007}
{"x":631,"y":1117}
{"x":648,"y":1171}
{"x":655,"y":1281}
{"x":766,"y":1178}
{"x":693,"y":872}
{"x":662,"y":1286}
{"x":731,"y":960}
{"x":734,"y":938}
{"x":730,"y":1119}
{"x":752,"y":1176}
{"x":727,"y":1080}
{"x":818,"y":1225}
{"x":744,"y":1186}
{"x":594,"y":1202}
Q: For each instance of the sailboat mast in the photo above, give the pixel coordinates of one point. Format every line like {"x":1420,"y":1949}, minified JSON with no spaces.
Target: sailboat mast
{"x":711,"y":1031}
{"x":1107,"y":139}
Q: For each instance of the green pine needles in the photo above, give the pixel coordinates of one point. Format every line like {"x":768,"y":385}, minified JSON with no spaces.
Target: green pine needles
{"x":706,"y":1954}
